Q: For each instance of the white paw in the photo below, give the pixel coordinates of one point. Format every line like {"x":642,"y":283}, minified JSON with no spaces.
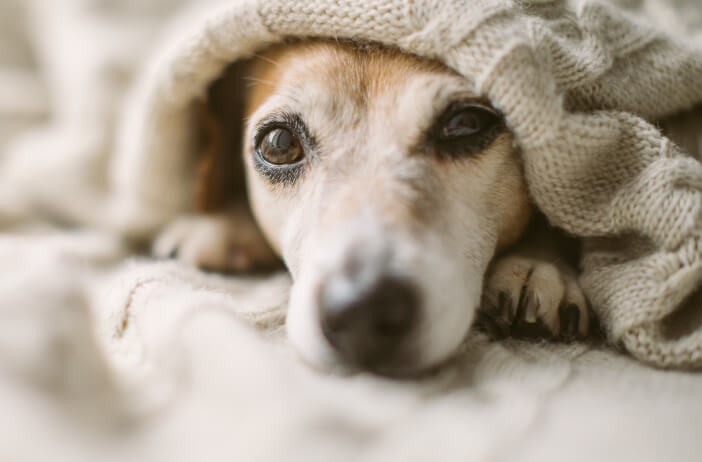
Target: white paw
{"x":222,"y":242}
{"x":534,"y":298}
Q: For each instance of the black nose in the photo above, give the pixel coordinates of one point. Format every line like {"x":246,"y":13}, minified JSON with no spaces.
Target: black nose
{"x":368,"y":325}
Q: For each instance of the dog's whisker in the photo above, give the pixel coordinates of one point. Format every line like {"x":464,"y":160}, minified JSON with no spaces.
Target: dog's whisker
{"x":267,"y":59}
{"x":251,"y":81}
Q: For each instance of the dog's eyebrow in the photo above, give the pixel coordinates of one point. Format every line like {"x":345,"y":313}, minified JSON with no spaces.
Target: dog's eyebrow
{"x":447,"y":90}
{"x":438,"y":92}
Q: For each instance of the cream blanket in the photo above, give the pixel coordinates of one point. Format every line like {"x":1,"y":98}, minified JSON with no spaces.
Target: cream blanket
{"x":103,"y":357}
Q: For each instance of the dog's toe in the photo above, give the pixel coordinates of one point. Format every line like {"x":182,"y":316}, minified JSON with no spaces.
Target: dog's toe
{"x":214,"y":242}
{"x":168,"y":242}
{"x":544,"y":301}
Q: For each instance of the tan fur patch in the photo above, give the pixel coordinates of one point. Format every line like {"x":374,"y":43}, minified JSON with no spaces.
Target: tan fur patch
{"x":360,"y":73}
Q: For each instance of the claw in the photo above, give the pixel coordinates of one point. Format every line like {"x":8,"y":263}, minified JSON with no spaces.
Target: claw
{"x":570,"y":319}
{"x":531,"y":308}
{"x":505,"y":306}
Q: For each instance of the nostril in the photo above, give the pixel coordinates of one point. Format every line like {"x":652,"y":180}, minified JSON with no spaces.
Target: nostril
{"x":395,"y":308}
{"x":366,"y":324}
{"x":394,"y":318}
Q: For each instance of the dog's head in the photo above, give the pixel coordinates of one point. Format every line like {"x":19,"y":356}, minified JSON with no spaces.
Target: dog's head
{"x":387,"y":187}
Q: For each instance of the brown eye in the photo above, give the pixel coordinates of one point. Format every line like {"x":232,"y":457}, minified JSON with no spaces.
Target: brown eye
{"x":280,"y":146}
{"x":468,"y":121}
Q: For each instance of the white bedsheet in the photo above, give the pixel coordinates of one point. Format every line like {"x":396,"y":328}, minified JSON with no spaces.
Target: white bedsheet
{"x":106,"y":359}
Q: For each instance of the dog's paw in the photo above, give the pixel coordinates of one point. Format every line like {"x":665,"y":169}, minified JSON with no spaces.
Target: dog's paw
{"x":227,"y":242}
{"x":533,"y":298}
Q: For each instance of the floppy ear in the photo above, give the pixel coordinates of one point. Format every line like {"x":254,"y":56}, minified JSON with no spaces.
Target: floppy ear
{"x":220,"y":173}
{"x":223,"y":234}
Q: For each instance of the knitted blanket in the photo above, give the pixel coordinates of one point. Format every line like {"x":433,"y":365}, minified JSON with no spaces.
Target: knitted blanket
{"x":108,"y":356}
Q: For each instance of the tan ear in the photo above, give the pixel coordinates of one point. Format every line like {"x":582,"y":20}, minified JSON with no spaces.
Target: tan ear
{"x":220,"y":175}
{"x":208,"y":194}
{"x":224,"y":235}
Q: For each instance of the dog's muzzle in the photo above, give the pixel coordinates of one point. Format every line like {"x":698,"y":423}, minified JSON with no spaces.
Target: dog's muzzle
{"x":375,"y":298}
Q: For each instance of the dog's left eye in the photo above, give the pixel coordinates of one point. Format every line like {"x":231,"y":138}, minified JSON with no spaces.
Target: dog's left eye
{"x":467,"y":121}
{"x":280,"y":146}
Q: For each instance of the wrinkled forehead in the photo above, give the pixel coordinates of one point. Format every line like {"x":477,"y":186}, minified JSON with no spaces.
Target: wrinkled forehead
{"x":329,"y":81}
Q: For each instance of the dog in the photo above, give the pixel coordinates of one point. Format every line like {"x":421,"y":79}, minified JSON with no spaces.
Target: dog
{"x":393,"y":194}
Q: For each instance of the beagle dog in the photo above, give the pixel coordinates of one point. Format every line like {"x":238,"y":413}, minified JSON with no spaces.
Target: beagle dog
{"x":393,"y":194}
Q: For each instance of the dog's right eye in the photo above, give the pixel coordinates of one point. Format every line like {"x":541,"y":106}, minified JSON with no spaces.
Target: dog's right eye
{"x":279,"y":146}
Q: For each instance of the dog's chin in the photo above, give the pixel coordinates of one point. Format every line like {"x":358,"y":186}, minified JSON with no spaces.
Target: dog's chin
{"x":318,"y":354}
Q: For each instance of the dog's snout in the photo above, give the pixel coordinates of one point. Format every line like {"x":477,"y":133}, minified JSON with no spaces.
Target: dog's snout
{"x":368,"y":325}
